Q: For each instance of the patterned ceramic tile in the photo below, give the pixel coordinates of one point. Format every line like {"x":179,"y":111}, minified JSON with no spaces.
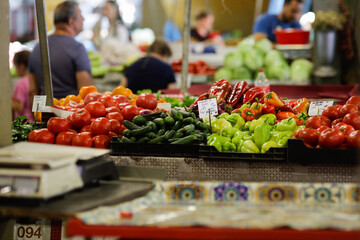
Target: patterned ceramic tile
{"x":320,"y":193}
{"x":186,"y":192}
{"x":354,"y":194}
{"x":276,"y":192}
{"x":230,"y":192}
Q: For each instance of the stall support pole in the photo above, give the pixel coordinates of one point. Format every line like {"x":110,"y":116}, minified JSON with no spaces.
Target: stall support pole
{"x":5,"y":89}
{"x":45,"y":62}
{"x":186,"y":40}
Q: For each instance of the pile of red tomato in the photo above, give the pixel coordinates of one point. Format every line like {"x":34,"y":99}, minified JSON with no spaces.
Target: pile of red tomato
{"x":337,"y":127}
{"x":94,"y":121}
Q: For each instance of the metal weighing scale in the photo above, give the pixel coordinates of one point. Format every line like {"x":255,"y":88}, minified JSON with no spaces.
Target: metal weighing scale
{"x":43,"y":171}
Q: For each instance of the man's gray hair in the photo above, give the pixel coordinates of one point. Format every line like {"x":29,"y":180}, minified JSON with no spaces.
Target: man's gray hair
{"x":64,"y":11}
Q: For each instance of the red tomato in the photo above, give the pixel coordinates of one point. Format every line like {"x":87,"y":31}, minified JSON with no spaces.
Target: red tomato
{"x":111,"y":135}
{"x":108,"y":101}
{"x":331,"y":138}
{"x":112,"y":109}
{"x":64,"y":138}
{"x":121,"y":99}
{"x":322,"y":128}
{"x":80,"y":118}
{"x":353,"y":139}
{"x":75,"y":105}
{"x":331,"y":112}
{"x":336,"y":121}
{"x":348,"y":108}
{"x":96,"y":109}
{"x":147,"y":100}
{"x":92,"y":97}
{"x":72,"y":130}
{"x":122,"y":105}
{"x":100,"y":126}
{"x":345,"y":128}
{"x":86,"y":128}
{"x":42,"y":135}
{"x":115,"y":126}
{"x":129,"y":112}
{"x":313,"y":122}
{"x":82,"y":140}
{"x":310,"y":136}
{"x":352,"y":119}
{"x":56,"y":125}
{"x":115,"y":115}
{"x":101,"y":141}
{"x":325,"y":121}
{"x":354,"y":100}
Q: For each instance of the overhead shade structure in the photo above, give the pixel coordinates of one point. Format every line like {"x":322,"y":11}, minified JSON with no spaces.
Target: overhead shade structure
{"x":44,"y":50}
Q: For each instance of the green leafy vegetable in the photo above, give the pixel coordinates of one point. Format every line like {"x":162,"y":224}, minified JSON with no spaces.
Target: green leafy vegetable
{"x":21,"y":129}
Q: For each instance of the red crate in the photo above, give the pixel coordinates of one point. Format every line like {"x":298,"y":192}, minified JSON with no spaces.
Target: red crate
{"x":292,"y":36}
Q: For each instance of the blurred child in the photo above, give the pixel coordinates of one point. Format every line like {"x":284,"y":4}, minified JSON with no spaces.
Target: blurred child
{"x":20,"y":100}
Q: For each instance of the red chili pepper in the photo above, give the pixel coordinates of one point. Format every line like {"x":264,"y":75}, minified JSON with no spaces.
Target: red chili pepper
{"x":237,"y":93}
{"x":220,"y":89}
{"x":194,"y":106}
{"x":252,"y":93}
{"x":248,"y":114}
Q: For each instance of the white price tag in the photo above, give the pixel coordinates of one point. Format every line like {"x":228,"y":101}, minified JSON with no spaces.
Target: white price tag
{"x":208,"y":105}
{"x":166,"y":106}
{"x":316,"y":108}
{"x":39,"y":103}
{"x":28,"y":232}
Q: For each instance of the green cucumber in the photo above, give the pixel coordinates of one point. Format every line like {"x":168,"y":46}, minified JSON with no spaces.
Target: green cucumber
{"x":173,"y":140}
{"x":139,"y":120}
{"x":177,"y":126}
{"x":152,"y":125}
{"x":185,"y":140}
{"x":160,"y":132}
{"x":126,"y":140}
{"x":189,"y":129}
{"x":176,"y":115}
{"x":127,"y":133}
{"x":178,"y":135}
{"x":188,"y":120}
{"x":169,"y":122}
{"x":160,"y":122}
{"x":151,"y":135}
{"x":130,"y":125}
{"x":169,"y":134}
{"x":143,"y":140}
{"x":140,"y":131}
{"x":158,"y":139}
{"x":185,"y":113}
{"x":163,"y":115}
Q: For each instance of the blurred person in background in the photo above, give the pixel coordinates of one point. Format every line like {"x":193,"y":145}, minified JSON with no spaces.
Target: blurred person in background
{"x":266,"y":24}
{"x":69,"y":61}
{"x":203,"y":27}
{"x":110,"y":25}
{"x":152,"y":71}
{"x":20,"y":103}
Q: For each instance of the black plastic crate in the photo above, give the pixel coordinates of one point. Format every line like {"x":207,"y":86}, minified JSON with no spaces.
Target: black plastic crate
{"x":299,"y":153}
{"x":273,"y":154}
{"x":151,"y":149}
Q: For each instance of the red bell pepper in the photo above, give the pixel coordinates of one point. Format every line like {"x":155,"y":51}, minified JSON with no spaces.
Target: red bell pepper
{"x":248,"y":114}
{"x":194,"y":106}
{"x":268,"y":109}
{"x":252,"y":93}
{"x":292,"y":103}
{"x":220,"y":90}
{"x":284,"y":115}
{"x":237,"y":93}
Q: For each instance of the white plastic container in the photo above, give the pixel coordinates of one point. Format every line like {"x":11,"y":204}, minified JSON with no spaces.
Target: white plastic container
{"x":262,"y":81}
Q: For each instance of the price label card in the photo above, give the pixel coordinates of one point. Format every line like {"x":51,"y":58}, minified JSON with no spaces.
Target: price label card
{"x":316,"y":108}
{"x":39,"y":103}
{"x":206,"y":106}
{"x":166,"y":106}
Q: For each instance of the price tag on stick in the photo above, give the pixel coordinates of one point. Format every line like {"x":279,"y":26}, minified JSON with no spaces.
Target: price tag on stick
{"x":206,"y":106}
{"x":316,"y":108}
{"x":39,"y":103}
